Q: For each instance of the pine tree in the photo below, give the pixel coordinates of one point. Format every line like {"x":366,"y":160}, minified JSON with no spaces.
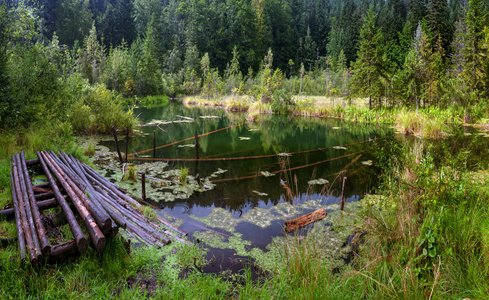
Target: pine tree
{"x":91,"y":58}
{"x":475,"y":20}
{"x":369,"y":67}
{"x":438,"y":18}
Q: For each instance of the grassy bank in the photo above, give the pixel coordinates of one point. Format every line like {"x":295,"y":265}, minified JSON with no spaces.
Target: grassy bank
{"x":431,"y":122}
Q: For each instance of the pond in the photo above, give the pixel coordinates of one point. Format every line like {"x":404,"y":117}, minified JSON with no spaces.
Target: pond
{"x":255,"y":175}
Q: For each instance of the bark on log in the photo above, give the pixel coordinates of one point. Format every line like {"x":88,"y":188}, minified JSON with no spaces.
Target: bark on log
{"x":80,"y":239}
{"x":107,"y":185}
{"x":64,"y":249}
{"x":40,"y":190}
{"x":44,"y":196}
{"x":28,"y":209}
{"x":94,"y":231}
{"x":41,"y":231}
{"x":9,"y":213}
{"x":24,"y":223}
{"x":86,"y":193}
{"x":18,"y":221}
{"x":32,"y":162}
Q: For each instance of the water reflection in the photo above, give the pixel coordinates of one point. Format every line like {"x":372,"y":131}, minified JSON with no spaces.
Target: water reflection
{"x":249,"y":200}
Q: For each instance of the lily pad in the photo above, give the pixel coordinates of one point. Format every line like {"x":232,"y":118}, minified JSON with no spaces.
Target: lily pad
{"x":266,"y":174}
{"x":367,"y":162}
{"x":244,"y":138}
{"x":187,"y":145}
{"x":319,"y":181}
{"x":284,"y":154}
{"x":259,"y":193}
{"x":339,"y":147}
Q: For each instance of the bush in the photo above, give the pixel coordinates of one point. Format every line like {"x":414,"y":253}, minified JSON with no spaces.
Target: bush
{"x":97,"y":110}
{"x":281,"y":102}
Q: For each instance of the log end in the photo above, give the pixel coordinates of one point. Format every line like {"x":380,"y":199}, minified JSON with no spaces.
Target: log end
{"x":100,"y":245}
{"x":46,"y":250}
{"x":82,"y":245}
{"x":106,"y":226}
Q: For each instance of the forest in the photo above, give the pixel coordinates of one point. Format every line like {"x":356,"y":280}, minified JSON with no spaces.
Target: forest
{"x":72,"y":71}
{"x":58,"y":56}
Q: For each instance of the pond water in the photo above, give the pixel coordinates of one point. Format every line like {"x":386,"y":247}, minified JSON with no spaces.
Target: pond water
{"x":282,"y":167}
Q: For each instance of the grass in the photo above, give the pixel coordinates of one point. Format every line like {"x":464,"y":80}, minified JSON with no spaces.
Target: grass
{"x":431,"y":123}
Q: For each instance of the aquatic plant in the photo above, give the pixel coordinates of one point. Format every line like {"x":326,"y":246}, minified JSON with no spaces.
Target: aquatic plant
{"x":89,"y":148}
{"x":183,"y":175}
{"x":130,"y":174}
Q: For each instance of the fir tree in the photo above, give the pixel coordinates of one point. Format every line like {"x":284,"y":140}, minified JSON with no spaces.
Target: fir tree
{"x":368,"y":69}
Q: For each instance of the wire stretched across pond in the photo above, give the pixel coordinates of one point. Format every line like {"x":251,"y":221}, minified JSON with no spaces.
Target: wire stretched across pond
{"x":251,"y":157}
{"x":184,"y":140}
{"x":299,"y":167}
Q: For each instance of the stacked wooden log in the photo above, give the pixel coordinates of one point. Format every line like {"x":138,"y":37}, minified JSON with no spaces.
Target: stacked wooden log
{"x":85,"y":197}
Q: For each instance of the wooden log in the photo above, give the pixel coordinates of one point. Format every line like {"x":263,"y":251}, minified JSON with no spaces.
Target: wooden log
{"x":64,"y":249}
{"x":40,"y":190}
{"x":107,"y":185}
{"x":18,"y":221}
{"x":31,"y":250}
{"x":85,"y":192}
{"x":102,"y":220}
{"x":113,"y":212}
{"x":143,"y":186}
{"x":28,"y":209}
{"x":94,"y":196}
{"x":117,"y":145}
{"x":343,"y":194}
{"x":80,"y":239}
{"x":42,"y":186}
{"x":7,"y":241}
{"x":304,"y":220}
{"x":44,"y":196}
{"x":41,"y":205}
{"x":139,"y":220}
{"x":32,"y":162}
{"x":94,"y":231}
{"x":41,"y":231}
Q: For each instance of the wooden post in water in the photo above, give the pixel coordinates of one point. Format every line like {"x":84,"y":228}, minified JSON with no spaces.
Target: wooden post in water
{"x":127,"y":141}
{"x":343,"y":194}
{"x":143,"y":186}
{"x":196,"y":145}
{"x":154,"y":143}
{"x":117,"y":145}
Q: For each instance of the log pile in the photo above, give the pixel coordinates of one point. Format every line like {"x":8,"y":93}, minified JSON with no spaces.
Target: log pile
{"x":86,"y":199}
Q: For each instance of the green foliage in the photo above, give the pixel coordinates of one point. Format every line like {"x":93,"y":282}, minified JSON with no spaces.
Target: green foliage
{"x":281,"y":102}
{"x":183,"y":176}
{"x":97,"y":110}
{"x":369,"y":66}
{"x":130,"y":174}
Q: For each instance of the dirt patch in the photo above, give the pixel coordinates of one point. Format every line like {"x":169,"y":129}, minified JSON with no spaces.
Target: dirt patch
{"x":145,"y":281}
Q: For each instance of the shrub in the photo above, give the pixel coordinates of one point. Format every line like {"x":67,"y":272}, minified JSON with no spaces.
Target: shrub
{"x":281,"y":102}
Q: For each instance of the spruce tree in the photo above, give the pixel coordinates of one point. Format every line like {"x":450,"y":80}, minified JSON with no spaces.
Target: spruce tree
{"x":368,"y":69}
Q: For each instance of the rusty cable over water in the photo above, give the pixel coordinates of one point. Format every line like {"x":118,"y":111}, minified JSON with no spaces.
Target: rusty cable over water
{"x":184,"y":140}
{"x":299,"y":167}
{"x":243,"y":157}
